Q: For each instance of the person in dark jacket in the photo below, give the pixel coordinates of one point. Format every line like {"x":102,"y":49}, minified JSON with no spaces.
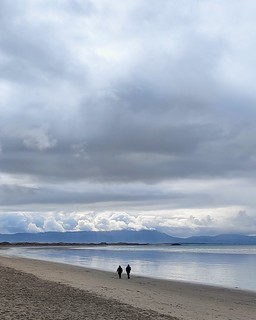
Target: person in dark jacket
{"x":128,"y":271}
{"x":119,"y":271}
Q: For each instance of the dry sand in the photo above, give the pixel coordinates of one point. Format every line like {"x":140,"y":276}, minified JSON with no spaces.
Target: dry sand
{"x":33,"y":289}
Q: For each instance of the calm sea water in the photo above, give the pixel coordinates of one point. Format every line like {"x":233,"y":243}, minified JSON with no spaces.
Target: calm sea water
{"x":227,"y":266}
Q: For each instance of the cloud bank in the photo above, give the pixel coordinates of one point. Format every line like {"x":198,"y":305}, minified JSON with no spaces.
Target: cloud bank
{"x":177,"y":225}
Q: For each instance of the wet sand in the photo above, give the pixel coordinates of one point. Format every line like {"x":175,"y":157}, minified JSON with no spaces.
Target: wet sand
{"x":33,"y":289}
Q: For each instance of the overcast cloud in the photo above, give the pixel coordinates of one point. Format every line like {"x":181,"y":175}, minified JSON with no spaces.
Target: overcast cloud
{"x":128,"y":114}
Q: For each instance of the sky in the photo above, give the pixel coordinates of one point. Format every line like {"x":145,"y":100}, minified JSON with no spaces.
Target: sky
{"x":133,"y":114}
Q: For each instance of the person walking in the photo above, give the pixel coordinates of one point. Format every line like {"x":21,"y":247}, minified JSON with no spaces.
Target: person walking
{"x":119,"y":271}
{"x":128,"y":271}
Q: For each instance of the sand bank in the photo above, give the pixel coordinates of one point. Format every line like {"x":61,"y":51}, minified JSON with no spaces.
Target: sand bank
{"x":59,"y":291}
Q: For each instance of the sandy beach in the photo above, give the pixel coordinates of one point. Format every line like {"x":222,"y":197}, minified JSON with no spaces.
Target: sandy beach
{"x":33,"y":289}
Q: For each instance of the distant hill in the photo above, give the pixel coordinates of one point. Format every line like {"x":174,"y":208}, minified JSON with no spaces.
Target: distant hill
{"x":126,"y":236}
{"x":223,"y":239}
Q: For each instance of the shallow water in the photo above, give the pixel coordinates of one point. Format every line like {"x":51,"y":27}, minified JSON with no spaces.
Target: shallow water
{"x":227,"y":266}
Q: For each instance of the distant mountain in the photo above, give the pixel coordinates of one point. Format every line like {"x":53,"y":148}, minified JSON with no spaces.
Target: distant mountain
{"x":223,"y":239}
{"x":143,"y":236}
{"x":126,"y":236}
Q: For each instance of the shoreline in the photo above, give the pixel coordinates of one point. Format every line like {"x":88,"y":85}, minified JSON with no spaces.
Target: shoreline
{"x":160,"y":279}
{"x":187,"y":301}
{"x":153,"y":277}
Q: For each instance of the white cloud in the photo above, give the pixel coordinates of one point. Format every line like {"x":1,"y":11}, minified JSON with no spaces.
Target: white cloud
{"x":30,"y":138}
{"x":32,"y":227}
{"x":50,"y":224}
{"x":179,"y":224}
{"x":38,"y":140}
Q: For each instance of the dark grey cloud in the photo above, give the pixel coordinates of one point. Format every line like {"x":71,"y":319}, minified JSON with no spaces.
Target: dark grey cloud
{"x":108,"y":104}
{"x":15,"y":195}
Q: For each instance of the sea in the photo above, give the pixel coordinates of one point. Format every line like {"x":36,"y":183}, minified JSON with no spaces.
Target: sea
{"x":218,"y":265}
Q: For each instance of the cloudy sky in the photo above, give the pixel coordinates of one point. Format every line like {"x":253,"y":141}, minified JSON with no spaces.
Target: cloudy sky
{"x":128,"y":114}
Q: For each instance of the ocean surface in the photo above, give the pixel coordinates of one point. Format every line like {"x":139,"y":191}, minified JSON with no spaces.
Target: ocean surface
{"x":226,"y":266}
